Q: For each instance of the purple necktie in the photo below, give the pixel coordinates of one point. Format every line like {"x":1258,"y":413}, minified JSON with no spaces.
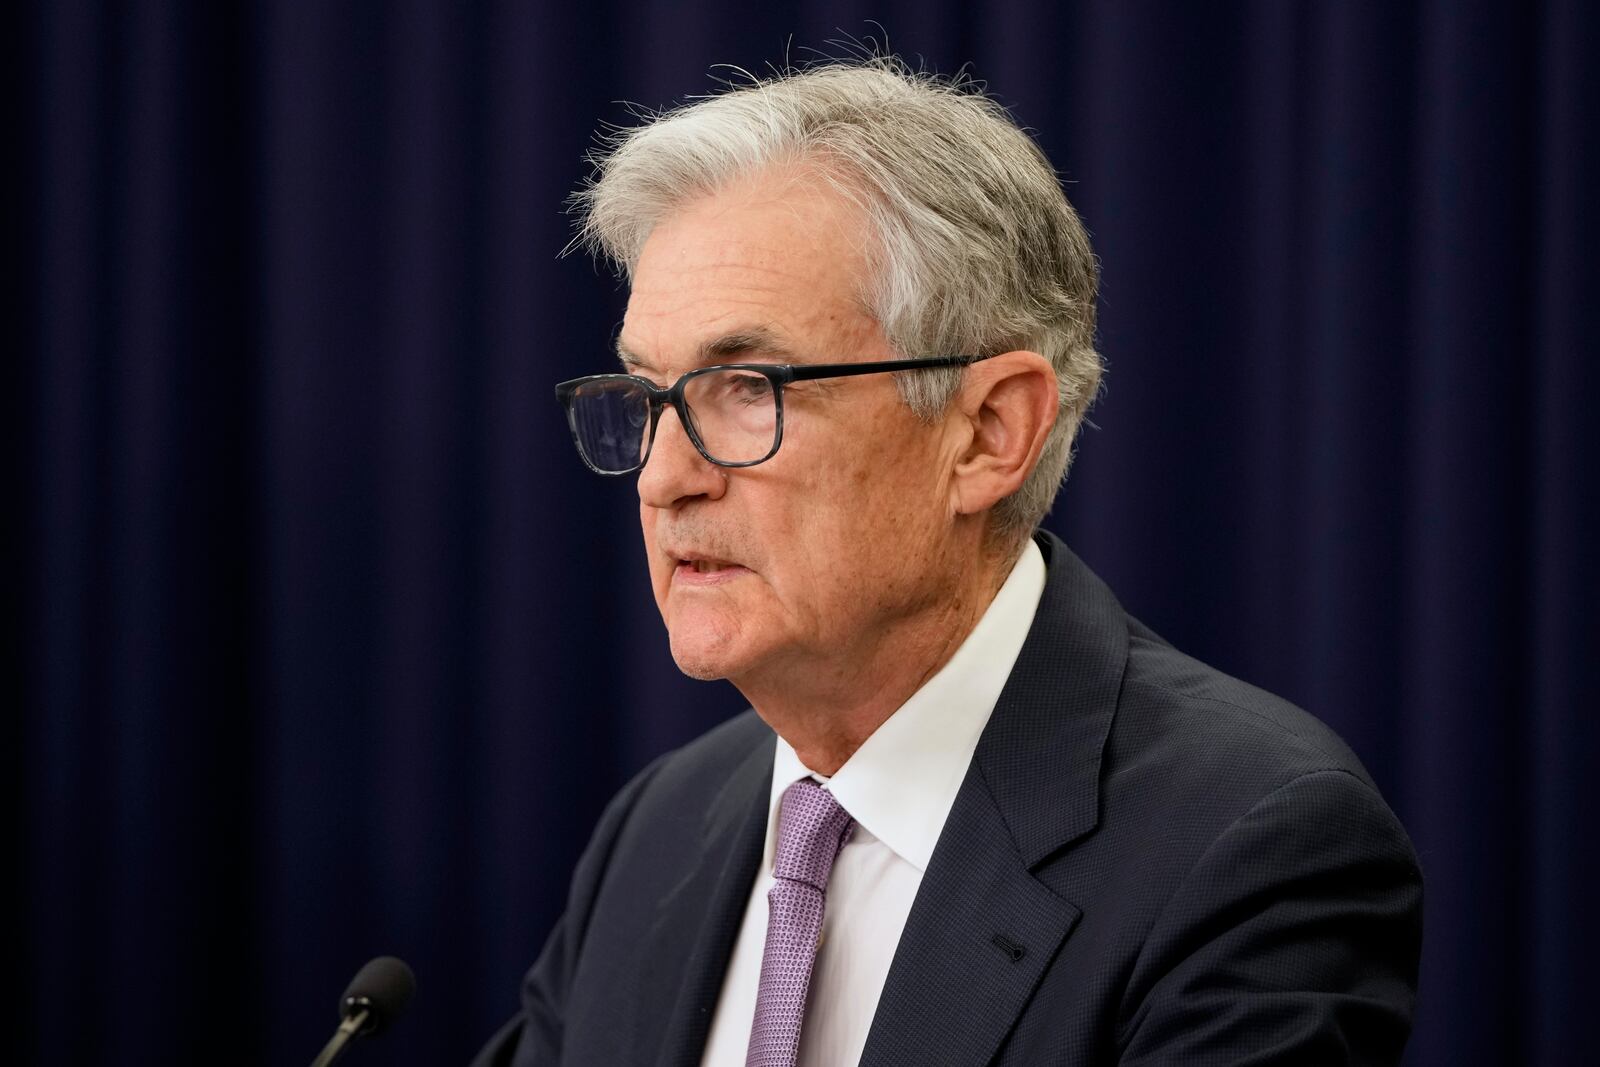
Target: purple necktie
{"x":812,"y":827}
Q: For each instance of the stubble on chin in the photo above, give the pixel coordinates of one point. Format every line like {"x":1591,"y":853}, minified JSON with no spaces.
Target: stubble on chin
{"x":699,"y":671}
{"x":703,"y":648}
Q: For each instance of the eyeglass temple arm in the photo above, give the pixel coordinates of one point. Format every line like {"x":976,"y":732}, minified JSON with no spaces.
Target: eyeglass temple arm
{"x":800,"y":372}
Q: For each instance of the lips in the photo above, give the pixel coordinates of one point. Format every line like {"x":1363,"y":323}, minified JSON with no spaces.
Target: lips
{"x":705,"y":566}
{"x":696,"y":569}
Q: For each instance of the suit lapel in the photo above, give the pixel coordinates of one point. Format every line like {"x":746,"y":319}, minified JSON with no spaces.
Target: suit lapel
{"x":978,"y":938}
{"x":698,"y":920}
{"x":983,"y":929}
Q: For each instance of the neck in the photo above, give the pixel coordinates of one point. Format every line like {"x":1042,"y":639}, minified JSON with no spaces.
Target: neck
{"x":826,"y":708}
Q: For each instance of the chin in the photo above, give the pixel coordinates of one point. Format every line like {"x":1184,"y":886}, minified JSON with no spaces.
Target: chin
{"x":706,"y":656}
{"x":698,"y":670}
{"x":703,"y":666}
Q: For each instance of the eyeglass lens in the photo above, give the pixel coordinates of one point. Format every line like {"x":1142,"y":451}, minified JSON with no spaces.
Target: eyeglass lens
{"x":734,"y":414}
{"x":611,"y":422}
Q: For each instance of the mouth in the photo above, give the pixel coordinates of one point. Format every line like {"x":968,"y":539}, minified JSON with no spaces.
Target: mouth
{"x":705,"y":570}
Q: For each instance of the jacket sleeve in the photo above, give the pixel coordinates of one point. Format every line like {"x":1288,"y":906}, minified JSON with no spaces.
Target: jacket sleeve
{"x":532,"y":1038}
{"x":1294,"y":939}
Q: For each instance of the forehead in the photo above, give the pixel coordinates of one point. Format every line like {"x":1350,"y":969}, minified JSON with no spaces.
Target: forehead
{"x":781,"y":255}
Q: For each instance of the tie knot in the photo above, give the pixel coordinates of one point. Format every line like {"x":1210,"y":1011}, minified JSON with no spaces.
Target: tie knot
{"x":812,"y":827}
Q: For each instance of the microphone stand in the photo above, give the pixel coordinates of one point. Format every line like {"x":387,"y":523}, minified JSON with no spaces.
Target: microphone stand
{"x":350,"y":1027}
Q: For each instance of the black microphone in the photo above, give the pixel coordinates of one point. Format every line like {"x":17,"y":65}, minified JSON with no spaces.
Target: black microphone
{"x":377,"y":994}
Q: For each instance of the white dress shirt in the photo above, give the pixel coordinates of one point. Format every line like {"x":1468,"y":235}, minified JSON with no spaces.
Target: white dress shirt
{"x":899,"y":787}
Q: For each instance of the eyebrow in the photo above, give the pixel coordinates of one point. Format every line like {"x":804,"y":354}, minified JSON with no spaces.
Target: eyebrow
{"x":757,"y":341}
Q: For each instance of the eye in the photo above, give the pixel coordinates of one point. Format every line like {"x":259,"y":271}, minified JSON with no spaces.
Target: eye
{"x":749,"y":388}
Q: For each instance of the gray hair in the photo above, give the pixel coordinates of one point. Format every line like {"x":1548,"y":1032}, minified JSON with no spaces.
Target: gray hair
{"x":977,"y":249}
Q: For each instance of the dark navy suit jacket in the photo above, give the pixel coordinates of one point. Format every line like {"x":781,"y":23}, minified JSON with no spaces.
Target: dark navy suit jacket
{"x":1148,"y":862}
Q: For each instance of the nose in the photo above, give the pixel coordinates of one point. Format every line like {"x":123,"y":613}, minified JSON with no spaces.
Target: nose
{"x":676,"y":471}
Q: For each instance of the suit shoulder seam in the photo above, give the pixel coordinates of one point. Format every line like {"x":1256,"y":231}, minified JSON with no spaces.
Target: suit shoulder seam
{"x":1278,"y":727}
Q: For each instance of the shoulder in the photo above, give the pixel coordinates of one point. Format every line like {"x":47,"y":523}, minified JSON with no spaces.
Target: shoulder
{"x":688,"y":778}
{"x":1268,"y":831}
{"x":1214,"y":734}
{"x":657,"y":823}
{"x":708,"y":759}
{"x":1194,"y":757}
{"x":695,"y":778}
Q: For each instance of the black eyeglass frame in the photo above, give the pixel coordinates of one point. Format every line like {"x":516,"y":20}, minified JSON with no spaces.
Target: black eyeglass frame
{"x":779,"y":374}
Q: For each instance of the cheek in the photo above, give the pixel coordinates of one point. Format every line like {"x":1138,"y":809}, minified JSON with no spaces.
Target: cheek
{"x":859,"y":530}
{"x":852,"y":515}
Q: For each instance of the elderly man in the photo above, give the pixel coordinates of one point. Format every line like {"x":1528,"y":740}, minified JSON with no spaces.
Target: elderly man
{"x":977,"y":814}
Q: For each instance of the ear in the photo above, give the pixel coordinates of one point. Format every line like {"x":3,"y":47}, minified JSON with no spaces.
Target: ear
{"x":1007,"y":406}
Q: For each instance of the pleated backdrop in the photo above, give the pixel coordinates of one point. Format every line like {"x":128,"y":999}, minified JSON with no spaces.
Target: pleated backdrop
{"x":326,"y":645}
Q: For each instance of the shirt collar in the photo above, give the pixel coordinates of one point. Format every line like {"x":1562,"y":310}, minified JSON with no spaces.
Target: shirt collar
{"x":900,"y":784}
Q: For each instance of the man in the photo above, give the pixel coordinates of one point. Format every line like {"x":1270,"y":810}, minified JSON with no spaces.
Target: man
{"x":977,"y":814}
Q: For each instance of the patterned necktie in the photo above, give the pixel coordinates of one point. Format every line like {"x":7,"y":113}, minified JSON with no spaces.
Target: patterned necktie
{"x":812,"y":827}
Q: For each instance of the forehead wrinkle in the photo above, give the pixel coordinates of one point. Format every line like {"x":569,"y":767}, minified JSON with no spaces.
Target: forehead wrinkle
{"x":754,"y":293}
{"x":747,"y":279}
{"x":708,"y":323}
{"x":717,"y":286}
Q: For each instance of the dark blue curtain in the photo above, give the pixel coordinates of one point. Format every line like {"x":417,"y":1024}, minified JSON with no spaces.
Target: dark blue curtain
{"x":327,"y":646}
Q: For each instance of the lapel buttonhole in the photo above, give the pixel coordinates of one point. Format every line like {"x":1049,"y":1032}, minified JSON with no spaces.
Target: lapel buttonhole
{"x":1013,"y":951}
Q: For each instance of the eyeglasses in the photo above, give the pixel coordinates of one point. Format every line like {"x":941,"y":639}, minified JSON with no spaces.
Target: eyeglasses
{"x":733,"y":413}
